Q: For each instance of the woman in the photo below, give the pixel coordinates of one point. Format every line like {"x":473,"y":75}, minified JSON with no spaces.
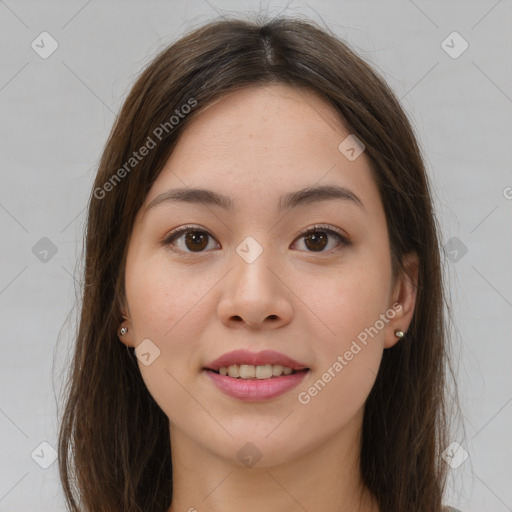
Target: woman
{"x":261,"y":232}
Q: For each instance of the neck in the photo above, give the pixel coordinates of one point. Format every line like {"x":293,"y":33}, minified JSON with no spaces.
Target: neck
{"x":326,"y":477}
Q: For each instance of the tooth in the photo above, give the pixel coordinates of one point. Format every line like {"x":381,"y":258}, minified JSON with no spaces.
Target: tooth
{"x":233,"y":370}
{"x":277,"y":370}
{"x":264,"y":372}
{"x":247,"y":371}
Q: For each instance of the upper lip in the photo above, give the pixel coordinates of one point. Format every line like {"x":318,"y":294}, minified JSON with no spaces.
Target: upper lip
{"x":255,"y":359}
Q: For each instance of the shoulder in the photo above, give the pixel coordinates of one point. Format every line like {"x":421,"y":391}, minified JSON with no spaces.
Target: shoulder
{"x":450,"y":509}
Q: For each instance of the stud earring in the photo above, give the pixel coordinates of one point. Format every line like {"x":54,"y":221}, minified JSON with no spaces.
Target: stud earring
{"x":399,"y":334}
{"x":123,"y":331}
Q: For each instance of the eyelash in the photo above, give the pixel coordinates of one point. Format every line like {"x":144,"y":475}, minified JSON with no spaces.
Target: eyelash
{"x":344,"y":241}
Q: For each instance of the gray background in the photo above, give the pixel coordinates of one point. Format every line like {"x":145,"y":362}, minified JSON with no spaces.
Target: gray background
{"x":56,"y":114}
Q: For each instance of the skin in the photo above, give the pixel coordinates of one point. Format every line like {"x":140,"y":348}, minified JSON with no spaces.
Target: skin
{"x":253,"y":146}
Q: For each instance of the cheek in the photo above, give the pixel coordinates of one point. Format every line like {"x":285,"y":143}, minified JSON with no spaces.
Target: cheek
{"x":351,"y":306}
{"x":166,"y":308}
{"x":162,"y":300}
{"x":348,"y":301}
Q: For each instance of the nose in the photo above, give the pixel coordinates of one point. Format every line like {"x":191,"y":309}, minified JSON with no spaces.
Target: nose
{"x":254,"y":294}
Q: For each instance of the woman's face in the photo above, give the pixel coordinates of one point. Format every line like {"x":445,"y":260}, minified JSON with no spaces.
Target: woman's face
{"x":247,"y":277}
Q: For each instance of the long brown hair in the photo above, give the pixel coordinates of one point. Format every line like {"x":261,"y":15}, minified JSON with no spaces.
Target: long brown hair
{"x":114,"y":444}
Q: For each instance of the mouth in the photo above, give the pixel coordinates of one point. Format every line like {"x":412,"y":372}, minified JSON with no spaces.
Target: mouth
{"x":255,"y":376}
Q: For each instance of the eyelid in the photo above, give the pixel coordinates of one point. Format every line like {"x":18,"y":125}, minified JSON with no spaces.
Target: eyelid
{"x":184,"y":229}
{"x":325,"y":227}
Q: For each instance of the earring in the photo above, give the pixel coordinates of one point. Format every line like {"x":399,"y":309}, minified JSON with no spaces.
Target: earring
{"x":399,"y":334}
{"x":123,"y":330}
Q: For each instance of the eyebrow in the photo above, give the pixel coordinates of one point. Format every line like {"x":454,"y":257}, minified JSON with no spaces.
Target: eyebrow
{"x":287,"y":201}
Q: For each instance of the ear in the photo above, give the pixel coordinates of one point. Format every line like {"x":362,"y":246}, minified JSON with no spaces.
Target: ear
{"x":128,"y":338}
{"x":403,"y":299}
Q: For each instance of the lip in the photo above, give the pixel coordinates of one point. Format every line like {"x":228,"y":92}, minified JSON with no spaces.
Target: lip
{"x":255,"y":359}
{"x":255,"y":390}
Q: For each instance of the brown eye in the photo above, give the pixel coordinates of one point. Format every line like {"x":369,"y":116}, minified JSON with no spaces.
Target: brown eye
{"x":316,"y":239}
{"x":189,"y":240}
{"x":196,"y":240}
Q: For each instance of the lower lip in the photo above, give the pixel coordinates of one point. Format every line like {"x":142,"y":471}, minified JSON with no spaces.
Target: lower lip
{"x":255,"y":390}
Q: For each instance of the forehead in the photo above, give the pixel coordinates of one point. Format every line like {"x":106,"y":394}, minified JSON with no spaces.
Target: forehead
{"x":264,"y":141}
{"x":269,"y":118}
